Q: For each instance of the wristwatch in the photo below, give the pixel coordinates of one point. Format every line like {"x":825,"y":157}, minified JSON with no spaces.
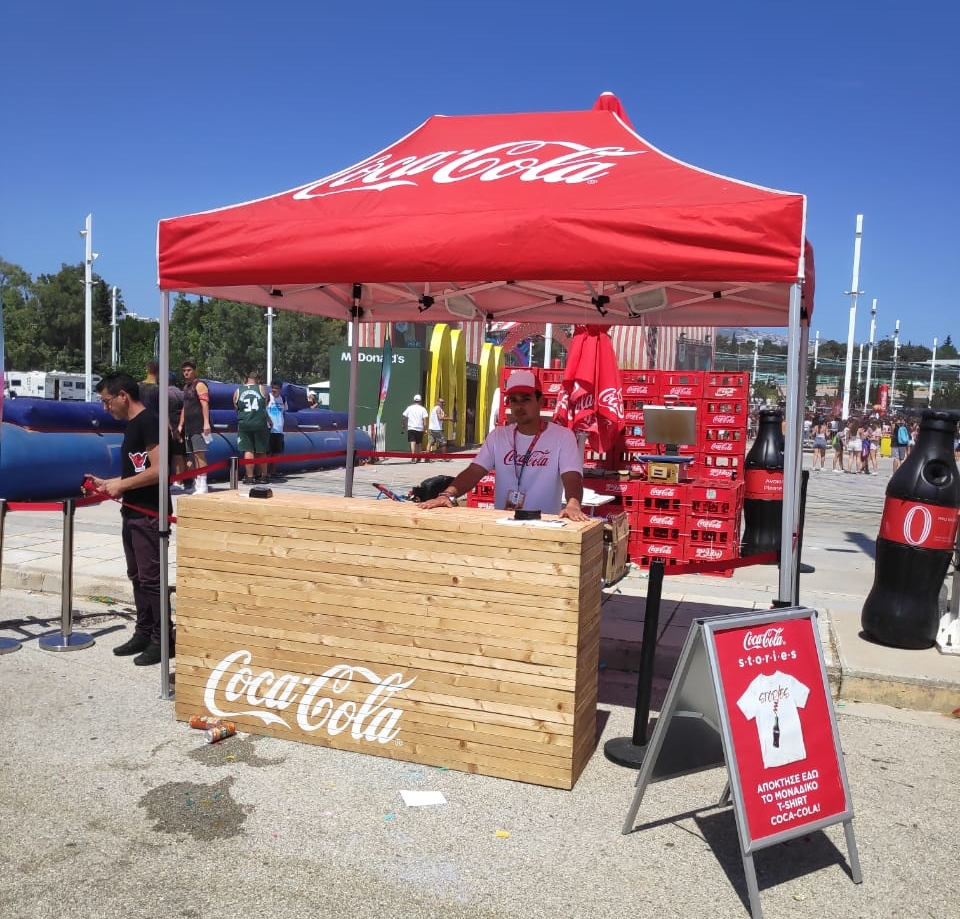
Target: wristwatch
{"x":451,"y":497}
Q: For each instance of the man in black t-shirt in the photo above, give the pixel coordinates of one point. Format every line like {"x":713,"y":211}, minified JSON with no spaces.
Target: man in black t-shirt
{"x":138,"y":485}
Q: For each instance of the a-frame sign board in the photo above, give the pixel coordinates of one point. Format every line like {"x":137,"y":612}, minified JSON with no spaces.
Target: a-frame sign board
{"x":751,"y":692}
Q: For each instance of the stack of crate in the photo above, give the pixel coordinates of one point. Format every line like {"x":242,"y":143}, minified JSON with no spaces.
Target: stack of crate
{"x":722,"y":417}
{"x":713,"y":513}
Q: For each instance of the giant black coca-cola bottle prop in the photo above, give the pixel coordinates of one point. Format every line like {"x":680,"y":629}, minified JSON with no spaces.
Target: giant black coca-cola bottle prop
{"x":917,"y":534}
{"x":763,"y":487}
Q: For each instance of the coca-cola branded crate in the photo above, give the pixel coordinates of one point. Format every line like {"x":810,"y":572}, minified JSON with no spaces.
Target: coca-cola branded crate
{"x":685,"y":386}
{"x":719,"y":466}
{"x":715,"y":531}
{"x":711,"y":551}
{"x":606,"y":511}
{"x":486,"y":487}
{"x":723,"y":413}
{"x":640,"y":378}
{"x":728,"y":441}
{"x":715,"y":499}
{"x":643,"y":551}
{"x":606,"y":462}
{"x":717,"y":385}
{"x":627,"y":491}
{"x":476,"y":501}
{"x":633,"y":411}
{"x":659,"y":526}
{"x":635,"y":443}
{"x":656,"y":496}
{"x":551,"y":382}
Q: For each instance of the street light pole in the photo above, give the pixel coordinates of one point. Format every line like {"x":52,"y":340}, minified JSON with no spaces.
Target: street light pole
{"x":269,"y":379}
{"x":893,"y":375}
{"x":873,"y":329}
{"x":88,"y":256}
{"x":816,"y":350}
{"x":113,"y":328}
{"x":933,"y":368}
{"x":853,"y":293}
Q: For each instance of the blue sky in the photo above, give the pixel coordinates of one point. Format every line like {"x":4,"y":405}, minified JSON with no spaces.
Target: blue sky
{"x":136,"y":112}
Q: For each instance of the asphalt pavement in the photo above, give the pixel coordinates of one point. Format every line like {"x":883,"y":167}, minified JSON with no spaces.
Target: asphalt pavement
{"x":113,"y":808}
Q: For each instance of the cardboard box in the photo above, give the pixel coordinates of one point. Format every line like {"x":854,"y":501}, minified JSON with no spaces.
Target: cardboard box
{"x":616,"y":535}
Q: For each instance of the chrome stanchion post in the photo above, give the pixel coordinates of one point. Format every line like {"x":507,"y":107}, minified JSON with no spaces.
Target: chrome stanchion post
{"x":66,"y":639}
{"x":6,"y":644}
{"x":234,"y":474}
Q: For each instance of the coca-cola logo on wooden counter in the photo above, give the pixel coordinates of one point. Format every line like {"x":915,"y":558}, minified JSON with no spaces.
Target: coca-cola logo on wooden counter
{"x":309,"y":703}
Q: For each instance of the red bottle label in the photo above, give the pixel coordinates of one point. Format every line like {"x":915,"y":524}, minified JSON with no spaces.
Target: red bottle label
{"x":926,"y":526}
{"x":763,"y":484}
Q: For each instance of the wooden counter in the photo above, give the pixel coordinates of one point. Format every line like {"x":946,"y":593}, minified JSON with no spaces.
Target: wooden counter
{"x":440,"y":637}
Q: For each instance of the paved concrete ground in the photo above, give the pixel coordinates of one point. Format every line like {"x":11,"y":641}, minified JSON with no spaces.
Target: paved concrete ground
{"x":112,"y":808}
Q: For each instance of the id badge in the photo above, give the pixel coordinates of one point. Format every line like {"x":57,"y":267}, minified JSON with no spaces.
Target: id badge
{"x":515,"y":500}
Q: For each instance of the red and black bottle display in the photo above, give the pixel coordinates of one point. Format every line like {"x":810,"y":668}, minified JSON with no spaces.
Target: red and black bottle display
{"x":763,"y":487}
{"x":918,"y":532}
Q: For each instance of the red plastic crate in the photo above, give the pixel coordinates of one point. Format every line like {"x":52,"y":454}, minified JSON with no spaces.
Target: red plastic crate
{"x":723,"y":413}
{"x":712,"y":552}
{"x":486,"y":487}
{"x":658,"y":526}
{"x":715,"y":499}
{"x":715,"y":531}
{"x":657,"y":496}
{"x":719,"y":465}
{"x":729,"y":441}
{"x":633,"y":411}
{"x":476,"y":501}
{"x":643,"y":551}
{"x":682,"y":385}
{"x":718,"y":385}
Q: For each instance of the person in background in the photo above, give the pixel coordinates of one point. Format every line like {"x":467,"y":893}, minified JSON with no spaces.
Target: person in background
{"x":536,"y":462}
{"x":414,"y":422}
{"x":899,"y":442}
{"x":150,"y":389}
{"x":178,"y":452}
{"x":435,"y":433}
{"x":276,"y":406}
{"x":253,"y":428}
{"x":137,"y":484}
{"x":819,"y":445}
{"x":312,"y":400}
{"x":839,"y":436}
{"x":194,"y":426}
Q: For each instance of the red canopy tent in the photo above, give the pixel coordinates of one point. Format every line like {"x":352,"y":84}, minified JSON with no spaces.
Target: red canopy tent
{"x":566,"y":217}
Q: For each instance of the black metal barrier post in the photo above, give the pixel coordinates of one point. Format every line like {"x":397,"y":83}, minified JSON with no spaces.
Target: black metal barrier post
{"x":66,"y":639}
{"x":234,"y":474}
{"x":629,"y":751}
{"x":6,"y":644}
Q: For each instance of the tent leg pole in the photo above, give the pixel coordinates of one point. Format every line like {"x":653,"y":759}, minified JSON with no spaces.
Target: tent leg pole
{"x":792,"y":456}
{"x":352,"y":398}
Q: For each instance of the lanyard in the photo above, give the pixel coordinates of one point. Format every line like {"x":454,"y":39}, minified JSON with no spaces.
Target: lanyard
{"x":526,"y":456}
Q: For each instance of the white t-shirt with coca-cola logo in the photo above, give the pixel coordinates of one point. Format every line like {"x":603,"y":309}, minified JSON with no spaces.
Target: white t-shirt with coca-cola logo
{"x":554,"y":453}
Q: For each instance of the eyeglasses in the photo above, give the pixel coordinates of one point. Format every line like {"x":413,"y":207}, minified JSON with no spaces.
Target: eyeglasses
{"x":110,"y":400}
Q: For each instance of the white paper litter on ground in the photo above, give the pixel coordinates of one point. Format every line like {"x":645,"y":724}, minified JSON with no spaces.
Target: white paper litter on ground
{"x":422,"y":798}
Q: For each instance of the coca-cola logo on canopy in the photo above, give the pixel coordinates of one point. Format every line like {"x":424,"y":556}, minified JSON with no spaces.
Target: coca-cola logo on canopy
{"x":322,"y":702}
{"x":549,"y":161}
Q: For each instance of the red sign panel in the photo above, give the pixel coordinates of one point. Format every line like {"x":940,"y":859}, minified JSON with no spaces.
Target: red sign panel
{"x":781,"y":726}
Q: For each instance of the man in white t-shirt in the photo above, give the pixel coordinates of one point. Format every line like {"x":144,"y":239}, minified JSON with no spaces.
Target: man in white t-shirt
{"x":415,"y":423}
{"x":535,"y":461}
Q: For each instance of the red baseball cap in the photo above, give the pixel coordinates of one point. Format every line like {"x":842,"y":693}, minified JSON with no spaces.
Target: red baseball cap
{"x":521,"y":381}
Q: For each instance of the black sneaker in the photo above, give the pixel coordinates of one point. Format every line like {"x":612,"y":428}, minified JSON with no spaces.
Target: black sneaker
{"x":150,"y":655}
{"x":263,"y":480}
{"x":133,"y":645}
{"x":247,"y":481}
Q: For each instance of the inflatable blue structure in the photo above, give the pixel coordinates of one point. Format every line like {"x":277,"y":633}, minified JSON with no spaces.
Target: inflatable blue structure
{"x":46,"y":447}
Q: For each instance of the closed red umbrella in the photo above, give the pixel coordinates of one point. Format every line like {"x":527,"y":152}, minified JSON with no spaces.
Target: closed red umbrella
{"x":591,"y":400}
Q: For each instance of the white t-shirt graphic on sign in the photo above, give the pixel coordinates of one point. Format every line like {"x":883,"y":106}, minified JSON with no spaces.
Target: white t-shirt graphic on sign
{"x":773,"y":702}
